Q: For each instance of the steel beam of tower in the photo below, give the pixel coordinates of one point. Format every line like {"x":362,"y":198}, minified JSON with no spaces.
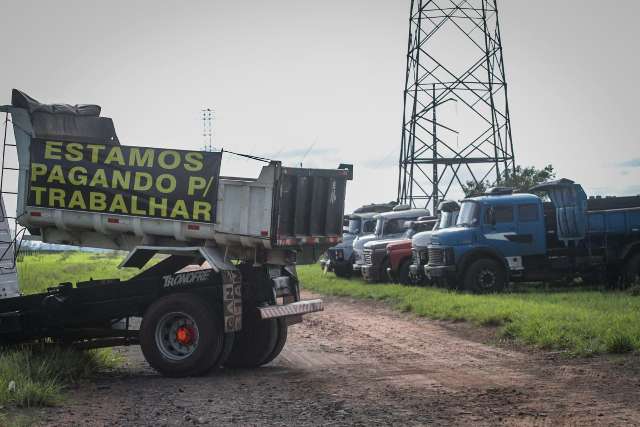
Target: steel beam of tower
{"x":455,"y":127}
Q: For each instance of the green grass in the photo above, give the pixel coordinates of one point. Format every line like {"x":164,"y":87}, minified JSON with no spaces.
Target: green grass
{"x":580,"y":322}
{"x":40,"y":271}
{"x":36,"y":375}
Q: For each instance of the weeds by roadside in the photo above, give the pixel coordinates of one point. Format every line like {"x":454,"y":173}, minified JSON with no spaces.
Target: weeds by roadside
{"x":36,"y":375}
{"x":577,"y":321}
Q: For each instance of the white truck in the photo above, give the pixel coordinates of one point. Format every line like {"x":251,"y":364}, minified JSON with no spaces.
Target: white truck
{"x":226,"y":289}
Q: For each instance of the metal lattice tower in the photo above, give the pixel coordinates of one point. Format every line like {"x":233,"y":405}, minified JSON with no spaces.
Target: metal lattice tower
{"x":456,"y":125}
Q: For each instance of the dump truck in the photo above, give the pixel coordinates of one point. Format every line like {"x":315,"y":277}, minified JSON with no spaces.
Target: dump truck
{"x":225,"y":289}
{"x":504,"y":237}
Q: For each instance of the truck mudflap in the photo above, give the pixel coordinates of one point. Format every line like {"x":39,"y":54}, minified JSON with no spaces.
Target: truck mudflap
{"x":294,"y":309}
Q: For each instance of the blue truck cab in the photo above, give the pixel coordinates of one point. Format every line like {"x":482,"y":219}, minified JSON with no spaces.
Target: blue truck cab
{"x":501,"y":237}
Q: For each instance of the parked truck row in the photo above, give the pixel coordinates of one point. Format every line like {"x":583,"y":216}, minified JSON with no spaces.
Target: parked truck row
{"x":483,"y":243}
{"x":383,"y":249}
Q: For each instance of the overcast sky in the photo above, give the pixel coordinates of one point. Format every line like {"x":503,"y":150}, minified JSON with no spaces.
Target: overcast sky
{"x":286,"y":76}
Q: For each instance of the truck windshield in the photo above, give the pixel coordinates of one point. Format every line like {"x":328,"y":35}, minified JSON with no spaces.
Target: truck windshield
{"x":469,"y":215}
{"x":391,"y":226}
{"x":369,"y":227}
{"x":409,"y":233}
{"x":354,"y":226}
{"x":447,"y":219}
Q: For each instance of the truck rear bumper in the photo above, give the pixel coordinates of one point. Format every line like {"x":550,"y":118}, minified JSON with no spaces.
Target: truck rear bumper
{"x":294,"y":309}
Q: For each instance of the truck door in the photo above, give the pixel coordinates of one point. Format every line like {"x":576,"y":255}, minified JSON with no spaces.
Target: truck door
{"x":499,"y":228}
{"x":509,"y":235}
{"x":530,"y":230}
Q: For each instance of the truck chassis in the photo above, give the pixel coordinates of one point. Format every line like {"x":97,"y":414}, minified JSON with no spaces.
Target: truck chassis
{"x":193,"y":319}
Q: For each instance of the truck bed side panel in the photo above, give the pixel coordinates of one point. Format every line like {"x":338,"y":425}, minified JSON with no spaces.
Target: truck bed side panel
{"x":619,"y":221}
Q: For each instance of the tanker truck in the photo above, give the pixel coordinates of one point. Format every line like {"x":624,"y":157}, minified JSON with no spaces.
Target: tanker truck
{"x":225,"y":289}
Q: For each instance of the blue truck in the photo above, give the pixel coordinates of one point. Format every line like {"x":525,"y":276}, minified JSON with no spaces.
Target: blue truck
{"x":502,"y":237}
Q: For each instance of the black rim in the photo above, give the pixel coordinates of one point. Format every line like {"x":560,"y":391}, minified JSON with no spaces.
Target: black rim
{"x":487,"y":279}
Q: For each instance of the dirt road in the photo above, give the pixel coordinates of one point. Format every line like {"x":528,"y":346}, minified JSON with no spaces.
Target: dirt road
{"x":361,"y":363}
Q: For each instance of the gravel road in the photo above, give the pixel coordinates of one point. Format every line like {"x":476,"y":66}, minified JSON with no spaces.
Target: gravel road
{"x":362,"y":363}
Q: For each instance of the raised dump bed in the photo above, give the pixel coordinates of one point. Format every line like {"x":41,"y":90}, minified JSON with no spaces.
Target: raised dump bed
{"x":76,"y":184}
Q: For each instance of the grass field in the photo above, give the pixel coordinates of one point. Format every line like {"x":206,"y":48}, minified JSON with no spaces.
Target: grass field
{"x":33,"y":375}
{"x":581,"y":322}
{"x":40,"y":271}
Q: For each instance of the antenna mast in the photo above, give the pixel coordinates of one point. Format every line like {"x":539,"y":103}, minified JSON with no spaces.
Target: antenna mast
{"x":207,"y":129}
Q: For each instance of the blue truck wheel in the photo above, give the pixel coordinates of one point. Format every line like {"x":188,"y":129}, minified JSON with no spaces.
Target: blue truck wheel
{"x":485,"y":275}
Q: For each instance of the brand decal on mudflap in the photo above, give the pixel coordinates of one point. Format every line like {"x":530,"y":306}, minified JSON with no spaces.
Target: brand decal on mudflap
{"x":186,"y":278}
{"x":232,"y":300}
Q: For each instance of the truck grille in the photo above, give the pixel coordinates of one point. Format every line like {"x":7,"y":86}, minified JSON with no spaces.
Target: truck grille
{"x":436,"y":256}
{"x":368,"y":257}
{"x":420,"y":256}
{"x":415,"y":257}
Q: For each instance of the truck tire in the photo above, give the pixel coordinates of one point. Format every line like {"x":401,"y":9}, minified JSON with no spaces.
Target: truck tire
{"x":253,"y":345}
{"x":181,"y":336}
{"x":382,"y":276}
{"x":229,"y":338}
{"x":404,"y":276}
{"x":485,"y":275}
{"x":632,"y":270}
{"x":344,"y":272}
{"x":283,"y":329}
